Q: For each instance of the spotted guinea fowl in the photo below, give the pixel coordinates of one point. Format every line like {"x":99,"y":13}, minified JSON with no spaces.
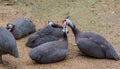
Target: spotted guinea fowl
{"x":7,"y":44}
{"x":51,"y":52}
{"x":92,"y":44}
{"x":21,"y":27}
{"x":49,"y":33}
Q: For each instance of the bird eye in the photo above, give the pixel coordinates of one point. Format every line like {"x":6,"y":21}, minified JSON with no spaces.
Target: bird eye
{"x":65,"y":20}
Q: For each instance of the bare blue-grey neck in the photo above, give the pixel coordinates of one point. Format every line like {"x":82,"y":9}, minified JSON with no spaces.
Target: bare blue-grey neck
{"x":65,"y":33}
{"x":75,"y":31}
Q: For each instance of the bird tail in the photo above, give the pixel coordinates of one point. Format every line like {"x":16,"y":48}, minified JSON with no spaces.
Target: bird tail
{"x":15,"y":53}
{"x":112,"y":54}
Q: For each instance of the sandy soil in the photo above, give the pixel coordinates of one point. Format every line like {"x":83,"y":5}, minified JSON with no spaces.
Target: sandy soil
{"x":73,"y":61}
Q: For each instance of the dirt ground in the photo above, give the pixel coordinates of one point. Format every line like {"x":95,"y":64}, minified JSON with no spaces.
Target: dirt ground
{"x":105,"y":22}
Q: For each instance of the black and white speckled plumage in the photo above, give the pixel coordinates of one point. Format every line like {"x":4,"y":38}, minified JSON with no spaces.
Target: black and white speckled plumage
{"x":50,"y":52}
{"x":7,"y":43}
{"x":46,"y":34}
{"x":23,"y":26}
{"x":92,"y":44}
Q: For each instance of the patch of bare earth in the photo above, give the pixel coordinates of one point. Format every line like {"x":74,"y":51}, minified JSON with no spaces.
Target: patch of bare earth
{"x":73,"y":61}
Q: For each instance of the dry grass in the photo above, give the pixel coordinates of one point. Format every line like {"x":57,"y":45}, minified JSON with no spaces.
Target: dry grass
{"x":94,"y":15}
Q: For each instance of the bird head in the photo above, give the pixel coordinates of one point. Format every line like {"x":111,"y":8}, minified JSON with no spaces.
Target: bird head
{"x":10,"y":27}
{"x":68,"y":22}
{"x":51,"y":23}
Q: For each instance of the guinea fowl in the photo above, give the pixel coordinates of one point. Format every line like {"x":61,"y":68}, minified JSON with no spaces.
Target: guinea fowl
{"x":92,"y":44}
{"x":49,"y":33}
{"x":21,"y":27}
{"x":51,"y":52}
{"x":7,"y":44}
